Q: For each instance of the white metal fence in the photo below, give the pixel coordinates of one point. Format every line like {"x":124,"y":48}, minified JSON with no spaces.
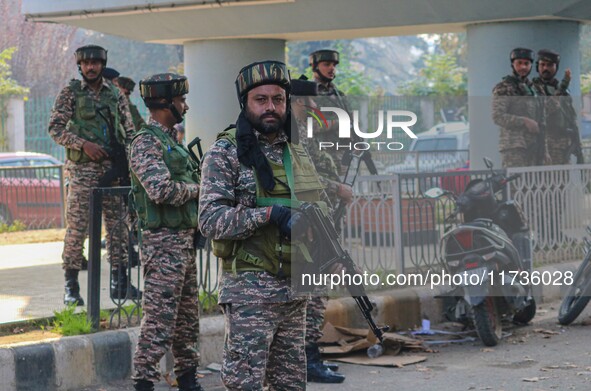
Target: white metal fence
{"x":390,"y":226}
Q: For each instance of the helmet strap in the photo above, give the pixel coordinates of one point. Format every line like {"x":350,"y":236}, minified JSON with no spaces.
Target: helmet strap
{"x":323,"y":79}
{"x":177,"y":116}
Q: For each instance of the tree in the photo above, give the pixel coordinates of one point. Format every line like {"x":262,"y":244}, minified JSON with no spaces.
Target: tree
{"x":8,"y":86}
{"x":441,"y":76}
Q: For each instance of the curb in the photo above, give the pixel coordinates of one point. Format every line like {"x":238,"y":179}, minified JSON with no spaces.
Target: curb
{"x":71,"y":363}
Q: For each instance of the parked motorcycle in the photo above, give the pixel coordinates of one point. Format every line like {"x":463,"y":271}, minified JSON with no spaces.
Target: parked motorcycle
{"x":492,"y":244}
{"x":579,"y":293}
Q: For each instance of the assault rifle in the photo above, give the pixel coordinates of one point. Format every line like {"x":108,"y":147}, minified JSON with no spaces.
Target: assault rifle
{"x":572,"y":131}
{"x":332,"y":253}
{"x":199,"y":241}
{"x":116,"y":151}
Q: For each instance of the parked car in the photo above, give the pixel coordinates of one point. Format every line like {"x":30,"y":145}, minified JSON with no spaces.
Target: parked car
{"x":31,"y":189}
{"x":441,"y":148}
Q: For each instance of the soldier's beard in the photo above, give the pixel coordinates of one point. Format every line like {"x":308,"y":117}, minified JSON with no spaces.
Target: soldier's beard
{"x":547,"y":75}
{"x":266,"y":127}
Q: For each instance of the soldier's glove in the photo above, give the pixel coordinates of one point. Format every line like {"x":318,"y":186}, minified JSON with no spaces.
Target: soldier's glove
{"x":287,"y":221}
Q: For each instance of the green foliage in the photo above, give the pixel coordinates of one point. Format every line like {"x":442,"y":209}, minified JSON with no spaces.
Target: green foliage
{"x":16,"y":225}
{"x":68,"y":323}
{"x":208,"y":301}
{"x":586,"y":83}
{"x":7,"y":85}
{"x":440,"y":77}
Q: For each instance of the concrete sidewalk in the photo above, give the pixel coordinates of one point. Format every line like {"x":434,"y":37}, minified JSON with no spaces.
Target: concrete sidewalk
{"x":72,"y":363}
{"x":32,"y":281}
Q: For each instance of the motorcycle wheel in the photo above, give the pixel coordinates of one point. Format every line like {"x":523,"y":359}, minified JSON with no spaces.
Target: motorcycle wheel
{"x":487,"y":320}
{"x":526,"y":314}
{"x":577,"y":295}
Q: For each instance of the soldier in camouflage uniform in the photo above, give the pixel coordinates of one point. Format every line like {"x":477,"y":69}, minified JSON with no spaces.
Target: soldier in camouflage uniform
{"x":317,"y":371}
{"x":519,"y":113}
{"x":251,"y":175}
{"x":324,"y":65}
{"x":165,"y":186}
{"x":126,"y":85}
{"x":79,"y":122}
{"x":561,"y":118}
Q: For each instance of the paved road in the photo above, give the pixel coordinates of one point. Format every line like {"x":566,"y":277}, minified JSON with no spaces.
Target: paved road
{"x":549,"y":362}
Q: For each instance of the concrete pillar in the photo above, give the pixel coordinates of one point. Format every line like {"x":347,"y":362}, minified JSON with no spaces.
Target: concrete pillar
{"x":211,"y":67}
{"x":489,"y":46}
{"x":15,"y":124}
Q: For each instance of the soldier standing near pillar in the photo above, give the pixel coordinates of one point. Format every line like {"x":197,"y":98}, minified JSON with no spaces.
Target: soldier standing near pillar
{"x":88,"y":116}
{"x":165,"y":185}
{"x":251,"y":176}
{"x":561,"y":117}
{"x":519,"y":113}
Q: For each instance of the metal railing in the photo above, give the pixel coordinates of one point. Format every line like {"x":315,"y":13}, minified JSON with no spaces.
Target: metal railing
{"x":126,"y":311}
{"x":33,"y":196}
{"x":557,"y":203}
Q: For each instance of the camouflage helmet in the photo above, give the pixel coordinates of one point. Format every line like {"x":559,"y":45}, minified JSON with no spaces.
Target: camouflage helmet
{"x":90,"y":52}
{"x":323,"y":55}
{"x":522,"y":53}
{"x":261,"y":73}
{"x":126,"y":82}
{"x":549,"y":56}
{"x":164,"y":85}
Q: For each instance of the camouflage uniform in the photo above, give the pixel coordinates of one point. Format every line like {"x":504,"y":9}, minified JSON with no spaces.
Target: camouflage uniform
{"x":330,"y":95}
{"x":129,"y":85}
{"x":259,"y":307}
{"x":265,"y":318}
{"x":165,"y":187}
{"x":558,"y":140}
{"x":170,"y":306}
{"x":514,"y":99}
{"x":84,"y":176}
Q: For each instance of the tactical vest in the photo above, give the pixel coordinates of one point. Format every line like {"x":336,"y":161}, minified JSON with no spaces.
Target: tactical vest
{"x":296,"y":181}
{"x":88,"y":124}
{"x":523,"y":88}
{"x":182,"y":169}
{"x":556,"y":120}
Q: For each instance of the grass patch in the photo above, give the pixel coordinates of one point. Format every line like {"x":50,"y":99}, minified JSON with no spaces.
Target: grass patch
{"x":67,"y":323}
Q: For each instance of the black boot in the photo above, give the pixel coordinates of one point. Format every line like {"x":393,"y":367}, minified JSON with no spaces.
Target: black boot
{"x":317,"y":372}
{"x":143,"y":385}
{"x":72,"y":294}
{"x":119,"y":289}
{"x":188,"y":381}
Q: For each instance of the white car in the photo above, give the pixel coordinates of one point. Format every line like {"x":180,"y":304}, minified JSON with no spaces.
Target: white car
{"x":441,"y":148}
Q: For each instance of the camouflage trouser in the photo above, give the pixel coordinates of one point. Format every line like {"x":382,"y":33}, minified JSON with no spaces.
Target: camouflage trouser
{"x":170,"y":304}
{"x":82,"y":178}
{"x":264,"y":345}
{"x":517,"y":157}
{"x":558,"y":148}
{"x":315,"y":318}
